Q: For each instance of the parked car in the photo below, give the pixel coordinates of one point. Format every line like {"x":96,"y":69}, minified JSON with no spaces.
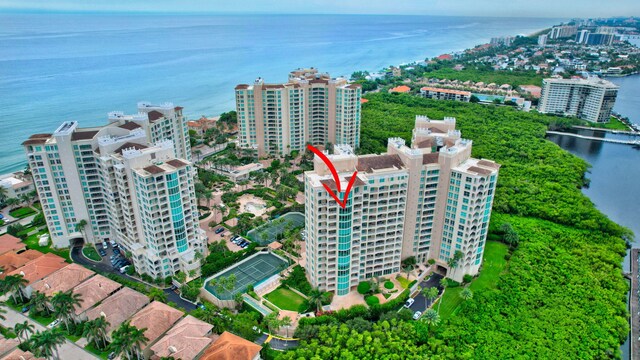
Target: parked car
{"x":53,"y":324}
{"x":105,"y":245}
{"x":416,"y":315}
{"x":124,"y":269}
{"x":219,"y":230}
{"x":25,"y":309}
{"x":111,"y":356}
{"x":409,"y":302}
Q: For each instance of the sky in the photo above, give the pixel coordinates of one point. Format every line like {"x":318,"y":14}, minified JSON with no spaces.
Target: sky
{"x":508,"y":8}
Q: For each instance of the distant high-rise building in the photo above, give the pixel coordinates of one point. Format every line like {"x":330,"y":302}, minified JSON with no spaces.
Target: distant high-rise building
{"x":430,"y":200}
{"x":503,"y":40}
{"x":600,"y":39}
{"x":542,"y":39}
{"x":589,"y":99}
{"x":581,"y":37}
{"x":311,"y":107}
{"x":126,"y":181}
{"x":563,"y":31}
{"x":607,"y":30}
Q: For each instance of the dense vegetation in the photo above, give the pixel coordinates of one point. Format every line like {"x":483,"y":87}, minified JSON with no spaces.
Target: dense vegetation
{"x":562,"y":294}
{"x":488,"y":75}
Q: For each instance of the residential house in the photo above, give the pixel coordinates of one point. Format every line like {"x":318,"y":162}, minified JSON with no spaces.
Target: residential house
{"x":62,"y":280}
{"x":118,"y":307}
{"x":232,"y":347}
{"x":186,"y":340}
{"x":156,"y":318}
{"x":92,"y":292}
{"x":39,"y":268}
{"x":10,"y":261}
{"x":10,"y":243}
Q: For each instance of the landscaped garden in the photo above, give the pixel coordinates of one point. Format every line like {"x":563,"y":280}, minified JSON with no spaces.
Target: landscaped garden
{"x":492,"y":265}
{"x":22,"y":212}
{"x":286,"y":299}
{"x":91,"y":253}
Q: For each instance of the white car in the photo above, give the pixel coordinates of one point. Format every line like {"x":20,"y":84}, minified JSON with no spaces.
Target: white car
{"x":53,"y":324}
{"x":417,"y":315}
{"x":409,"y":302}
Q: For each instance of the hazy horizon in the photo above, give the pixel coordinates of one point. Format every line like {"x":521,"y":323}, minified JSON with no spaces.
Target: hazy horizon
{"x":470,"y":8}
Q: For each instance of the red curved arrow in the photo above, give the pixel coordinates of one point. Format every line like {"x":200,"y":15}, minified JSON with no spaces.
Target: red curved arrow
{"x":336,"y":178}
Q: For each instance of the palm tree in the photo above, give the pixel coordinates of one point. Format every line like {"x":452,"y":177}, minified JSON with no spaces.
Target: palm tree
{"x":157,"y":294}
{"x":25,"y":199}
{"x":14,"y":284}
{"x":316,"y":298}
{"x":272,"y":322}
{"x":39,"y":302}
{"x":129,"y":340}
{"x":443,"y":284}
{"x":46,"y":343}
{"x":3,"y":193}
{"x":23,"y":329}
{"x":12,"y":202}
{"x":286,"y":322}
{"x":208,"y":196}
{"x":80,"y":226}
{"x":95,"y":330}
{"x":64,"y":304}
{"x":466,"y":294}
{"x":430,"y":293}
{"x":431,"y":317}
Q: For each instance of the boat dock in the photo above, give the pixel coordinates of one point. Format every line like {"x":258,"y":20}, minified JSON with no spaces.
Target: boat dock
{"x":615,"y":141}
{"x":634,"y":306}
{"x":621,"y":132}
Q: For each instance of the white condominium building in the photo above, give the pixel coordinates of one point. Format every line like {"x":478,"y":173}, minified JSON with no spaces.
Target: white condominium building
{"x":429,"y":200}
{"x":126,"y":181}
{"x":589,"y":99}
{"x":275,"y":119}
{"x":445,"y":94}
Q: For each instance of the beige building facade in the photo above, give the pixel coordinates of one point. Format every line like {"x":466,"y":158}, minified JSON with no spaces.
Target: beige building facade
{"x":430,"y":200}
{"x":312,"y":107}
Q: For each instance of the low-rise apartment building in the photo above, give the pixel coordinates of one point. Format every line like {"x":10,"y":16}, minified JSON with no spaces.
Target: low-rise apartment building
{"x":429,"y":200}
{"x":445,"y":94}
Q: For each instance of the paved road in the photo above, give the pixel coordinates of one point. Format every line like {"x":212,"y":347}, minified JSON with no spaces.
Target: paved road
{"x":421,"y":302}
{"x":68,"y":350}
{"x":105,"y":267}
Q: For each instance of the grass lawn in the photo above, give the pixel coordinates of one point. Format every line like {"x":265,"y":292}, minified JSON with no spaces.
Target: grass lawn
{"x":404,"y":282}
{"x":285,"y":299}
{"x":73,"y":338}
{"x":613,"y":124}
{"x":91,"y":252}
{"x":42,"y":320}
{"x":22,"y":212}
{"x":102,"y":354}
{"x":493,"y":264}
{"x":32,"y":243}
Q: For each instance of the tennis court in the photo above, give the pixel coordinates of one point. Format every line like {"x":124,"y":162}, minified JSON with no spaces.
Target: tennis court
{"x":269,"y":232}
{"x":250,"y":271}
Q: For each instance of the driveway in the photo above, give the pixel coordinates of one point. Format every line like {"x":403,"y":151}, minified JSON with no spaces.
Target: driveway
{"x":421,"y":302}
{"x":282,"y":345}
{"x":105,"y":267}
{"x":68,"y":350}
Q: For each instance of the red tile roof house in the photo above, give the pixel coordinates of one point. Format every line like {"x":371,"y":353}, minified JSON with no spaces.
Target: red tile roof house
{"x":11,"y":261}
{"x":62,"y":280}
{"x":37,"y":269}
{"x":157,"y":318}
{"x":186,"y":340}
{"x":118,"y":307}
{"x":92,"y":292}
{"x":10,"y":243}
{"x":7,"y":345}
{"x":232,"y":347}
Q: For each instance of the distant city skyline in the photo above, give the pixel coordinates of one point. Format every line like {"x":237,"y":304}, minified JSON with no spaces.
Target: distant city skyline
{"x":500,"y":8}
